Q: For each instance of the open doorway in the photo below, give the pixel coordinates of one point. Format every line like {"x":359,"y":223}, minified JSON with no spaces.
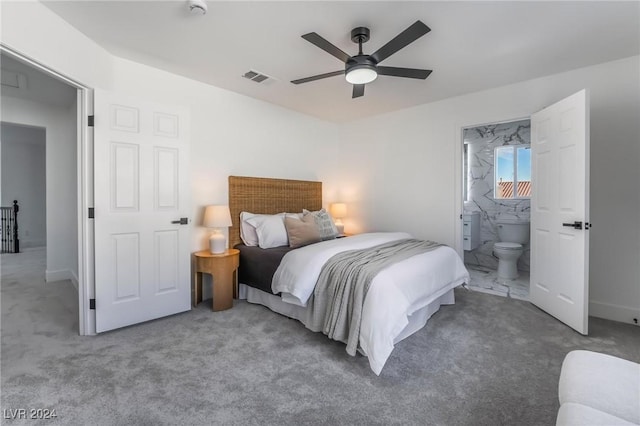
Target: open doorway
{"x":558,"y":209}
{"x":496,"y":207}
{"x":40,"y":171}
{"x":23,"y":192}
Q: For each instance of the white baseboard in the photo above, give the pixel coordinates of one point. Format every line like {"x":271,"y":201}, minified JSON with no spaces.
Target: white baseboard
{"x":614,"y":312}
{"x":32,"y":243}
{"x":61,"y":275}
{"x":26,"y":249}
{"x":74,"y":280}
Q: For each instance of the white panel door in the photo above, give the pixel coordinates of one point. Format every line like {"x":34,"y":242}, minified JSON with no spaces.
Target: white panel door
{"x":560,"y":210}
{"x":142,"y":256}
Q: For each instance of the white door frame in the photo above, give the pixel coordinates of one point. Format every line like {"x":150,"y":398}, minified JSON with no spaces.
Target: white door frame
{"x":84,"y":165}
{"x":459,"y":176}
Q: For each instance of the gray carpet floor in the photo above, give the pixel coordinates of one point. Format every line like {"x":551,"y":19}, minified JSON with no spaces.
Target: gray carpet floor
{"x":486,"y":360}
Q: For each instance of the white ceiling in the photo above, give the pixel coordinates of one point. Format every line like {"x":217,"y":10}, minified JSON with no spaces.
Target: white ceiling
{"x":472,"y":45}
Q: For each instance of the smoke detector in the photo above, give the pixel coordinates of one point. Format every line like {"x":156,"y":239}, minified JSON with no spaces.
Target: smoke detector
{"x":197,"y":7}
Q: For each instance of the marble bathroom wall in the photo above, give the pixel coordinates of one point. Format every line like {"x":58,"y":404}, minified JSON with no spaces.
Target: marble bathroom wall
{"x":481,"y":143}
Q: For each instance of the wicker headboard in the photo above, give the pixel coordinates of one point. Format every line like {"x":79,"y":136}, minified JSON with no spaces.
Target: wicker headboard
{"x":269,"y":196}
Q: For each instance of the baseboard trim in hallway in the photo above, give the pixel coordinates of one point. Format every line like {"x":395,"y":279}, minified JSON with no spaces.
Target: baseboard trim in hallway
{"x":61,"y":275}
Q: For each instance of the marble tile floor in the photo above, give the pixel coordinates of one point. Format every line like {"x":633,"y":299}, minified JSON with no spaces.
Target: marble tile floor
{"x":486,"y":280}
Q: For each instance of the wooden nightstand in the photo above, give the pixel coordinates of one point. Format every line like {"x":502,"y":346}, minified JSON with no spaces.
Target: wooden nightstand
{"x":224,"y":272}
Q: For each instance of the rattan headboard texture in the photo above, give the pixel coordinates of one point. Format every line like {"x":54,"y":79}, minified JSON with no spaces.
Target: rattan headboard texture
{"x":269,"y":196}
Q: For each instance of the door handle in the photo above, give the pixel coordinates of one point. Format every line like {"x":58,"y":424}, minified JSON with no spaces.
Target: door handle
{"x":182,"y":221}
{"x":575,"y":225}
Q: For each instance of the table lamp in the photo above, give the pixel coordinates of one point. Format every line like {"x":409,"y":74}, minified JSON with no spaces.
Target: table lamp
{"x":217,"y":217}
{"x":339,"y":211}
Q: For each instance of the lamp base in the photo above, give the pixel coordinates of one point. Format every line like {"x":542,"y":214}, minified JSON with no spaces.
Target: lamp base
{"x":217,"y":243}
{"x":339,"y":226}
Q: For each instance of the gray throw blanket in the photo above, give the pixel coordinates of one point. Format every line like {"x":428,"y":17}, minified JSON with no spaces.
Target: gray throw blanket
{"x":335,"y":307}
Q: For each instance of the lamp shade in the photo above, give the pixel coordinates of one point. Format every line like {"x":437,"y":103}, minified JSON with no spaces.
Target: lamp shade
{"x":217,"y":217}
{"x":338,"y":210}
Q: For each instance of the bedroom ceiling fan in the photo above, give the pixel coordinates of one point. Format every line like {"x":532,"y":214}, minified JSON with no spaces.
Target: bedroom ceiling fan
{"x":361,"y":69}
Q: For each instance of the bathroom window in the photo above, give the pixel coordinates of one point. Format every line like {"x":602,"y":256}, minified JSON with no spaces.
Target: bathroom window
{"x":512,"y":165}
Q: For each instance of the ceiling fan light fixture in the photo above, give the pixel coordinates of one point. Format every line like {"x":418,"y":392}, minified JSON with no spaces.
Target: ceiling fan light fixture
{"x":361,"y":74}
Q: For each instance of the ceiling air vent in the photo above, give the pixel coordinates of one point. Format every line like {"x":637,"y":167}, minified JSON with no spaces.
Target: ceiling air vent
{"x":255,"y":76}
{"x":13,"y":79}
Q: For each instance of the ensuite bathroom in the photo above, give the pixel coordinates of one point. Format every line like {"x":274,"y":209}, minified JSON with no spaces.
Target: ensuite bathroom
{"x":497,"y":193}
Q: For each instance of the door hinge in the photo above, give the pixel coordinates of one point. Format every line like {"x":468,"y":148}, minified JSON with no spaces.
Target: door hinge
{"x":91,"y":213}
{"x":92,"y":303}
{"x":90,"y":121}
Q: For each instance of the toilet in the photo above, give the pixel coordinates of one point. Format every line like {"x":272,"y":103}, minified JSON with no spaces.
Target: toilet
{"x":513,"y":235}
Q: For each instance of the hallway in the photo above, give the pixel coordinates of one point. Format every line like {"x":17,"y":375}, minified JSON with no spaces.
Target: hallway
{"x":31,"y":307}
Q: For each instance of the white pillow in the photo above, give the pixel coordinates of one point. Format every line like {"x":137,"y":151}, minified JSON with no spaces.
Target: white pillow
{"x":270,"y":230}
{"x":247,"y":231}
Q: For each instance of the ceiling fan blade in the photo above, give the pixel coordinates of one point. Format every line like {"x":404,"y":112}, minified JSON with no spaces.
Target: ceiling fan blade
{"x":408,"y":36}
{"x":317,"y":77}
{"x":326,"y":46}
{"x":358,"y":90}
{"x":404,"y":72}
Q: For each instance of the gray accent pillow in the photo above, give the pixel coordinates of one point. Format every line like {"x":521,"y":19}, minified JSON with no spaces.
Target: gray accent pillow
{"x":302,"y":232}
{"x":327,"y":228}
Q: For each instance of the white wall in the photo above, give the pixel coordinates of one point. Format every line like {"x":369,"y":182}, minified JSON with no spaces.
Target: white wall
{"x":61,"y":180}
{"x":405,"y":165}
{"x":23,"y":179}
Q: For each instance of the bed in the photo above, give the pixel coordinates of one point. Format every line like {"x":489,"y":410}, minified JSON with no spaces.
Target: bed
{"x":400,"y":300}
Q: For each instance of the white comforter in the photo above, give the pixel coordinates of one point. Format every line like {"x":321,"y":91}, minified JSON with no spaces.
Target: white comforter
{"x":395,"y":293}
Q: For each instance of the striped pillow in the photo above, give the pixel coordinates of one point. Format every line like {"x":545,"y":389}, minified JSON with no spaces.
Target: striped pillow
{"x":327,"y":228}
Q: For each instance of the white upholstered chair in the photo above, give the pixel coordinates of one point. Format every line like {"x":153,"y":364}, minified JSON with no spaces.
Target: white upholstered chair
{"x":598,"y":389}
